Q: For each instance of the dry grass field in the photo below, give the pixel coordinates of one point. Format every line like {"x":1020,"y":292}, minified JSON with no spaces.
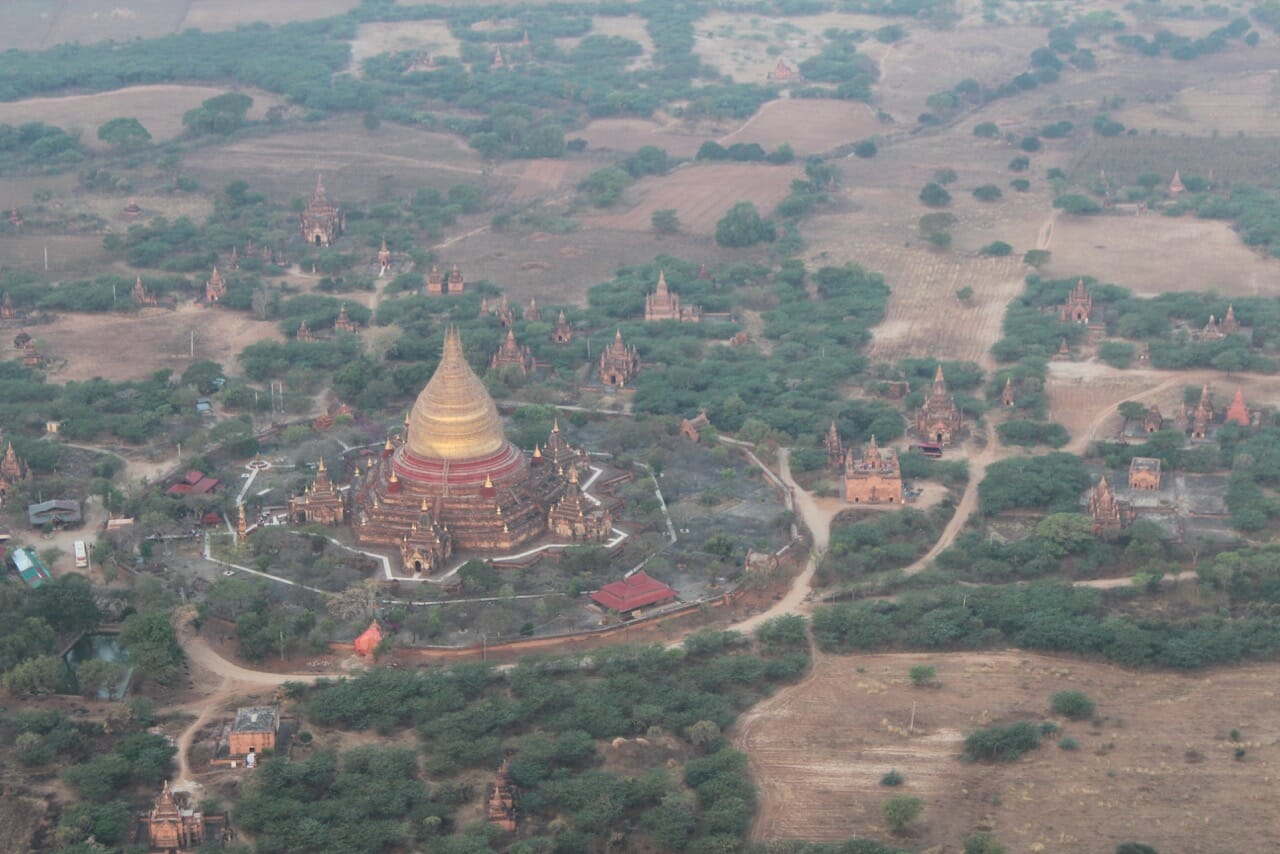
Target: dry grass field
{"x":125,"y":347}
{"x":808,"y":126}
{"x":630,"y":134}
{"x":42,"y":23}
{"x":1157,"y":765}
{"x":701,"y":195}
{"x":1152,"y":254}
{"x":159,"y":108}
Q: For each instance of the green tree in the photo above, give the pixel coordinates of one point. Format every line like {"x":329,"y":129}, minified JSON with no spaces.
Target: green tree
{"x":1068,"y":532}
{"x":987,"y":193}
{"x":153,"y":645}
{"x":866,"y":148}
{"x":986,"y":130}
{"x":66,"y":604}
{"x":665,"y":221}
{"x":923,"y":674}
{"x":41,"y":675}
{"x":97,"y":676}
{"x":123,"y":133}
{"x":901,"y":811}
{"x":982,"y":843}
{"x":1036,"y":258}
{"x":1074,"y":203}
{"x":743,"y":226}
{"x":996,"y":249}
{"x":935,"y":195}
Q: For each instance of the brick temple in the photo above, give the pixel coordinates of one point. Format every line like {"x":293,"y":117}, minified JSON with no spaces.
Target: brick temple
{"x":939,"y":419}
{"x":321,"y":220}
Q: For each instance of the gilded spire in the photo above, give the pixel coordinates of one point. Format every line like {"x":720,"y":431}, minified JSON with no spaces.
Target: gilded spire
{"x":454,"y":418}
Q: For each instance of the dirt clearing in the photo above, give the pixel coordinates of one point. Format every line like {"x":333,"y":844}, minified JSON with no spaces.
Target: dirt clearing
{"x":1157,"y":766}
{"x":431,"y":37}
{"x":632,"y":134}
{"x":127,"y":347}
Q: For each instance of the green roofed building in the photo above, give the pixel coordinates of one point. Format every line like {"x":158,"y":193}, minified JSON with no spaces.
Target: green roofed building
{"x":30,"y":569}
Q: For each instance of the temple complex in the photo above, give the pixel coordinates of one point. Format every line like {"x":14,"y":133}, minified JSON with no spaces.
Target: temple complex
{"x":500,"y":800}
{"x":875,"y":478}
{"x":560,"y":454}
{"x":939,"y":419}
{"x":320,"y":504}
{"x":170,"y":828}
{"x":1238,"y":412}
{"x":662,"y":304}
{"x":1108,"y":515}
{"x":322,"y":222}
{"x":563,"y":333}
{"x":532,"y":314}
{"x":344,"y":323}
{"x":1229,"y":325}
{"x":1201,"y":418}
{"x":1215,"y":329}
{"x":1144,"y":473}
{"x":452,"y":480}
{"x":31,"y":357}
{"x":511,"y":355}
{"x":304,"y":333}
{"x":1079,"y":305}
{"x":1176,"y":186}
{"x":619,"y":363}
{"x":214,"y":289}
{"x":437,"y":284}
{"x":141,"y":296}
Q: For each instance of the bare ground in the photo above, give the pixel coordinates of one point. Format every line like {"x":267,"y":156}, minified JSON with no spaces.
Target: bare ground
{"x":124,"y":347}
{"x":1157,"y":767}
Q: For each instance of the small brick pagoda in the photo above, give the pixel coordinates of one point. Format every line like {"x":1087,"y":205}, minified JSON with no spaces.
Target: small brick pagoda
{"x":453,"y":481}
{"x":214,"y":289}
{"x":321,"y":504}
{"x":514,"y":356}
{"x":939,"y":419}
{"x":170,"y":828}
{"x":1079,"y":305}
{"x":563,"y":332}
{"x":321,"y":221}
{"x":1108,"y":513}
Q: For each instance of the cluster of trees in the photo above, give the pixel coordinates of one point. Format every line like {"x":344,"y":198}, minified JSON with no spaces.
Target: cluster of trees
{"x":38,"y":144}
{"x":1054,"y":482}
{"x":547,"y":715}
{"x":1182,"y":47}
{"x":137,"y":764}
{"x":884,"y":541}
{"x":33,"y":621}
{"x":1042,"y":616}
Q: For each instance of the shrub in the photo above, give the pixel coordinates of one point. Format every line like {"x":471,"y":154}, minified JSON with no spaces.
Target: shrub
{"x":1001,"y":743}
{"x":923,"y":674}
{"x":997,"y":249}
{"x":1068,"y":743}
{"x":866,"y":148}
{"x":1072,"y":704}
{"x":900,"y":811}
{"x":987,"y":193}
{"x":982,"y":843}
{"x":1022,"y":185}
{"x":893,"y":778}
{"x":1135,"y":848}
{"x":986,"y":130}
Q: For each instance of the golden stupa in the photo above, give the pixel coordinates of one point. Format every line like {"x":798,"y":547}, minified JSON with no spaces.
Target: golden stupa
{"x":454,"y":418}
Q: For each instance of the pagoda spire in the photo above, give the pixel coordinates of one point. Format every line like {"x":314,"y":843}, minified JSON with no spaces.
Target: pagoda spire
{"x":939,"y":383}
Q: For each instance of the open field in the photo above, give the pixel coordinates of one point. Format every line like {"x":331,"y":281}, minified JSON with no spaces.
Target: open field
{"x":159,"y":108}
{"x":809,"y":126}
{"x":630,"y":27}
{"x":432,"y":37}
{"x":630,"y":134}
{"x":356,"y":163}
{"x":42,"y":23}
{"x":125,"y":347}
{"x":1152,"y":254}
{"x":1245,"y":103}
{"x":924,"y":316}
{"x":701,"y":195}
{"x":1157,"y":766}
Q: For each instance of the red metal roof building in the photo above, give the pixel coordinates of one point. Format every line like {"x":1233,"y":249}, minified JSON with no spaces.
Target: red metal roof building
{"x":636,"y":591}
{"x":195,"y":483}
